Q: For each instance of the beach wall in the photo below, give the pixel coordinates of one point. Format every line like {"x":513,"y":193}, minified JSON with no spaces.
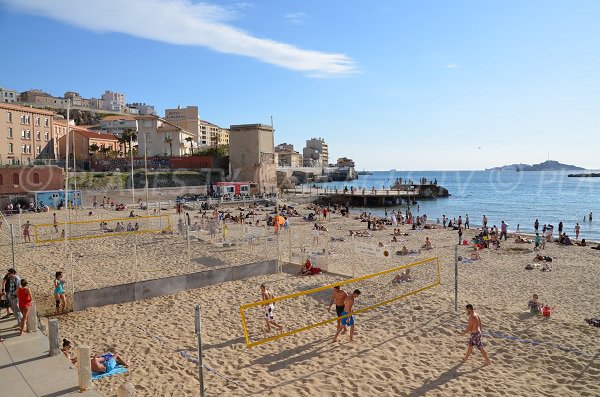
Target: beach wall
{"x":132,"y":292}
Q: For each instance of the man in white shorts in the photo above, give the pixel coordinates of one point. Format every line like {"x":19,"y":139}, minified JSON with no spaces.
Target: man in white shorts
{"x":266,"y":294}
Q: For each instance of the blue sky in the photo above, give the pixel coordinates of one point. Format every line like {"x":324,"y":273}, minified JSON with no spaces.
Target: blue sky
{"x":391,"y":84}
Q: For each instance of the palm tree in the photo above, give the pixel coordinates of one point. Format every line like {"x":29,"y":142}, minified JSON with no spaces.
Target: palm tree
{"x":169,"y":140}
{"x":123,"y":143}
{"x":191,"y":141}
{"x":105,"y":151}
{"x":129,"y":135}
{"x":94,"y":149}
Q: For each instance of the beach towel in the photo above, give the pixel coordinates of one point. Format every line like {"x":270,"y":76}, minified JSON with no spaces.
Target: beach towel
{"x":119,"y":369}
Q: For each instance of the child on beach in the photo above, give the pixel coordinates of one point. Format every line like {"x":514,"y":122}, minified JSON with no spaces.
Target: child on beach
{"x":59,"y":292}
{"x":534,"y":305}
{"x":24,"y":296}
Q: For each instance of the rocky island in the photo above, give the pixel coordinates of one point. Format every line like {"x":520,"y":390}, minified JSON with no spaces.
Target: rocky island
{"x":550,"y":165}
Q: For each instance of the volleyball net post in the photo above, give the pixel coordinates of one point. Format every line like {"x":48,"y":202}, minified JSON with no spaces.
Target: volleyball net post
{"x":251,"y":342}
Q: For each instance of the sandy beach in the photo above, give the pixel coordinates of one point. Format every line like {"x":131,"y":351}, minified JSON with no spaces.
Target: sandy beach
{"x":408,"y":348}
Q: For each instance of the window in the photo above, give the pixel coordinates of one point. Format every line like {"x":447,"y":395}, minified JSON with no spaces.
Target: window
{"x":22,"y":134}
{"x":23,"y":148}
{"x":38,"y":150}
{"x":22,"y":119}
{"x":28,"y":134}
{"x":37,"y":120}
{"x":29,"y":149}
{"x":15,"y":179}
{"x":46,"y":122}
{"x":46,"y":136}
{"x":38,"y":136}
{"x":36,"y":178}
{"x":10,"y":132}
{"x":9,"y":117}
{"x":10,"y":148}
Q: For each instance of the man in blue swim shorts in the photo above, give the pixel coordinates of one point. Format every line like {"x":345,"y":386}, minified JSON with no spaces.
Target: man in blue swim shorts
{"x":348,"y":318}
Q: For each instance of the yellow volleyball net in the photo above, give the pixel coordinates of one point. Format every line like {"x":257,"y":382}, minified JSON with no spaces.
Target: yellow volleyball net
{"x":306,"y":311}
{"x":98,"y":228}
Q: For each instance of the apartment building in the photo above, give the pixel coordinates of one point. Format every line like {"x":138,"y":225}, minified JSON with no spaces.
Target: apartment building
{"x":25,"y":134}
{"x":113,"y":101}
{"x":8,"y":96}
{"x":315,"y":153}
{"x":286,"y":156}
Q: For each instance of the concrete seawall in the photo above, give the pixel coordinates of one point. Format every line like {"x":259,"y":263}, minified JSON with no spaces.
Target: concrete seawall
{"x":132,"y":292}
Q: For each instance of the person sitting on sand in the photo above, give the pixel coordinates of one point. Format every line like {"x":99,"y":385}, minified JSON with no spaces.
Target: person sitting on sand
{"x":66,"y":350}
{"x":404,"y":250}
{"x":475,"y":255}
{"x":427,"y":244}
{"x":107,"y":362}
{"x":308,"y":269}
{"x":581,"y":243}
{"x":403,"y":277}
{"x":520,"y":240}
{"x":534,"y":305}
{"x":542,"y":258}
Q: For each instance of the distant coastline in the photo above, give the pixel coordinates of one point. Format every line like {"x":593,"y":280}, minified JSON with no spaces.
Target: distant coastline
{"x":585,"y":175}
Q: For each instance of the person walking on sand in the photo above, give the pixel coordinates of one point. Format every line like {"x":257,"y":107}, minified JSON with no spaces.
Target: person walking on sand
{"x":467,"y":221}
{"x":347,"y":321}
{"x":504,"y":231}
{"x":536,"y":225}
{"x":339,"y":297}
{"x":577,"y":230}
{"x":474,"y":327}
{"x":26,"y":236}
{"x":460,"y":234}
{"x":55,"y":223}
{"x":265,"y":295}
{"x":484,"y":221}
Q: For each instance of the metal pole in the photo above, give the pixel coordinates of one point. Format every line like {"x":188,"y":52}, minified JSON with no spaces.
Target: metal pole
{"x":12,"y":243}
{"x":353,"y":258}
{"x":456,"y":278}
{"x":198,"y":323}
{"x":146,"y":171}
{"x":131,"y":157}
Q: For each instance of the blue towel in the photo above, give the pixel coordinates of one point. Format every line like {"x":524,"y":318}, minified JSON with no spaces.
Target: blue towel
{"x":119,"y":369}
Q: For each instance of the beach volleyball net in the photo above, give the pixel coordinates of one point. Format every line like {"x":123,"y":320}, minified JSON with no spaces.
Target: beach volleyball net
{"x":304,"y":310}
{"x":97,"y":228}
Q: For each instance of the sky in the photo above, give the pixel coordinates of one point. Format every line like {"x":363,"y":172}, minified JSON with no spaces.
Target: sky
{"x":408,"y":85}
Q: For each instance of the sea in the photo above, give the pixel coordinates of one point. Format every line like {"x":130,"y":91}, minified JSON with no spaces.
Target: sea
{"x":518,"y":198}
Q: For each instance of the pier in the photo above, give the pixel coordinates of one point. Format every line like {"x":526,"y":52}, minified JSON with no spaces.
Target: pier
{"x":368,"y":197}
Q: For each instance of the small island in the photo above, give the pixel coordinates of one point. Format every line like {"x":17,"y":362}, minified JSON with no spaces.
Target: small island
{"x":550,"y":165}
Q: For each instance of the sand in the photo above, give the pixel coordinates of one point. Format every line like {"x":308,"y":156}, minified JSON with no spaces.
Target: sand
{"x":410,"y":347}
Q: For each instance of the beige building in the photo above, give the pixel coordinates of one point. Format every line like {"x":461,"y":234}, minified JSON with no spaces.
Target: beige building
{"x":188,"y":118}
{"x":316,"y":153}
{"x":252,"y":155}
{"x":345,"y":162}
{"x":286,"y":156}
{"x":213,"y":135}
{"x":161,"y":137}
{"x":113,"y":101}
{"x":25,"y":134}
{"x":42,"y":99}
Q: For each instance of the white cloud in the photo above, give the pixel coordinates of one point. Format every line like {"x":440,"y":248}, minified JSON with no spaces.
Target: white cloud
{"x":452,"y":66}
{"x":295,"y":18}
{"x":185,"y":23}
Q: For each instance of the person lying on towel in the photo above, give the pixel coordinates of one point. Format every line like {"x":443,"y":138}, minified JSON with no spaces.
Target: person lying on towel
{"x":107,"y":362}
